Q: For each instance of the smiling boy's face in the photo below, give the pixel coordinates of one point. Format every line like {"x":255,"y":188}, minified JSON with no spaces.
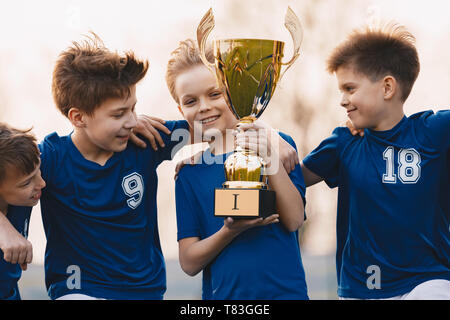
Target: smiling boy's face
{"x":202,"y":102}
{"x":362,"y":98}
{"x":21,"y":189}
{"x":111,"y":125}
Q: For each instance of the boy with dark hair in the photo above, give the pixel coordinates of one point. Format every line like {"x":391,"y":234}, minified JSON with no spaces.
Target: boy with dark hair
{"x":99,"y":210}
{"x":393,"y":217}
{"x":99,"y":206}
{"x":20,"y":185}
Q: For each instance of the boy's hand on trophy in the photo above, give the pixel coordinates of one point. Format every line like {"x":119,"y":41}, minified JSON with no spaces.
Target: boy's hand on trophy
{"x":274,"y":144}
{"x":239,"y":225}
{"x":353,"y":130}
{"x":148,"y":127}
{"x":255,"y":138}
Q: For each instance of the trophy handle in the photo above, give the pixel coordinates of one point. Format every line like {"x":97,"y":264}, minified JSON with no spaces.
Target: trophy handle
{"x":203,"y":30}
{"x":292,"y":23}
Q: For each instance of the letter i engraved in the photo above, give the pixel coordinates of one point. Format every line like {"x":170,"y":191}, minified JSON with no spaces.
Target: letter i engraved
{"x":235,"y":201}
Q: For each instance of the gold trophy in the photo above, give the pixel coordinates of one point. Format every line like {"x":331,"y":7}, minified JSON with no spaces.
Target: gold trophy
{"x":248,"y":71}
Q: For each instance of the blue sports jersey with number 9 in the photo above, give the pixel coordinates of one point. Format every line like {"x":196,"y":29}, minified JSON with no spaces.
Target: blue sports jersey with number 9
{"x":101,"y":221}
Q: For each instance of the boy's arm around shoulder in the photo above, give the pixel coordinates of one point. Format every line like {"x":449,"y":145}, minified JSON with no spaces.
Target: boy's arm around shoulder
{"x":170,"y":135}
{"x":16,"y":249}
{"x":323,"y":162}
{"x":148,"y":126}
{"x":310,"y":177}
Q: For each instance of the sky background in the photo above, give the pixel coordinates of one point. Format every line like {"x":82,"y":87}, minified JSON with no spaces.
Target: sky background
{"x":305,"y":104}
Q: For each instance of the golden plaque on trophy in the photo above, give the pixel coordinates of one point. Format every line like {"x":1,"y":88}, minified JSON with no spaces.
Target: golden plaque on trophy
{"x":247,"y":70}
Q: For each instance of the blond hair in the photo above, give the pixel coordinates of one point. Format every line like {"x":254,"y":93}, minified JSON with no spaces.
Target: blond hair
{"x":186,"y":56}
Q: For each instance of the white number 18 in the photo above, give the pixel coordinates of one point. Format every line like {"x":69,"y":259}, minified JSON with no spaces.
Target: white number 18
{"x":408,"y":165}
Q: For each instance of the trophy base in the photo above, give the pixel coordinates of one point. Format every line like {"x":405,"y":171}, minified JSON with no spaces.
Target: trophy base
{"x":243,"y":203}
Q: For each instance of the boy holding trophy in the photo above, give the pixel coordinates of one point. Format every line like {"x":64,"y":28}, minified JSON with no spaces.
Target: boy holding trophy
{"x":240,"y":258}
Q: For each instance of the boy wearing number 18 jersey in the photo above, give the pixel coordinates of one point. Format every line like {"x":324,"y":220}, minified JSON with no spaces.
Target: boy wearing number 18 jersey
{"x":393,"y":211}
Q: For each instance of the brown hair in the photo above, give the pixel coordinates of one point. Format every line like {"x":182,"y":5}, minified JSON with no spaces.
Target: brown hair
{"x":18,"y":150}
{"x":377,"y":52}
{"x":87,"y":74}
{"x":186,"y":56}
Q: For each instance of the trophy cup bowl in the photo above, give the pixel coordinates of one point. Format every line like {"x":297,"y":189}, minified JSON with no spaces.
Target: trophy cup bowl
{"x":247,"y":70}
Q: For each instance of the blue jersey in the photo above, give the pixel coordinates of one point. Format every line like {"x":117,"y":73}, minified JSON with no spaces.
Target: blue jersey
{"x":260,"y":263}
{"x":101,"y":221}
{"x":10,"y":274}
{"x":393,"y":204}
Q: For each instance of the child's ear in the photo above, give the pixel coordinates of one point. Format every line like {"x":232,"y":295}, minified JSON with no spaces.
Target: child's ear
{"x":76,"y":117}
{"x":181,"y":110}
{"x":389,"y":87}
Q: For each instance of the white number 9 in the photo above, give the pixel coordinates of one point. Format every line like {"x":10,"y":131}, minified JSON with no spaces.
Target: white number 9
{"x":133,"y":186}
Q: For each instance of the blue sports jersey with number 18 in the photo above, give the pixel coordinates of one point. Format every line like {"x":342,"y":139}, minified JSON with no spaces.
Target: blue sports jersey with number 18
{"x":393,"y":204}
{"x":101,"y":221}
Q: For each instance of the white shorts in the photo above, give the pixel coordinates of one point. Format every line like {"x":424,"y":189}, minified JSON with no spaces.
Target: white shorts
{"x":429,"y":290}
{"x":78,"y":296}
